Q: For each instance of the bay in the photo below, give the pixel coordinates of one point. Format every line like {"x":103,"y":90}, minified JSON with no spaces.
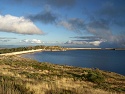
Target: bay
{"x":109,"y":60}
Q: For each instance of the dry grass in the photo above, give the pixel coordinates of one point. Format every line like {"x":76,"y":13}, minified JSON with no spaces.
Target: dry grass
{"x":25,"y":76}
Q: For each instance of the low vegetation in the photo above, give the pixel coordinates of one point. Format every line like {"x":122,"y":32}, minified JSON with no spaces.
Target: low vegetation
{"x":25,"y":76}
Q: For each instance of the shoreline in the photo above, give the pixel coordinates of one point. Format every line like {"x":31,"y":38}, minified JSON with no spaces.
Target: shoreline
{"x":28,"y":51}
{"x":95,"y":48}
{"x":66,"y":49}
{"x":22,"y":52}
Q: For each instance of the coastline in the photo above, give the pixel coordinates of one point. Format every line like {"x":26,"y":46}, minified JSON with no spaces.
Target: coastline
{"x":32,"y":49}
{"x":21,"y":52}
{"x":29,"y":73}
{"x":39,"y":50}
{"x":28,"y":51}
{"x":95,"y":48}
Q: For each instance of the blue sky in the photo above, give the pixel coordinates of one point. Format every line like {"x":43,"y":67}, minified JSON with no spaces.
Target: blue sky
{"x":81,"y":23}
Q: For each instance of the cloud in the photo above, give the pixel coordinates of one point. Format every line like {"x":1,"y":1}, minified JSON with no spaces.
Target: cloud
{"x":19,"y":25}
{"x":6,"y":39}
{"x":99,"y":29}
{"x":61,"y":3}
{"x":45,"y":17}
{"x":54,"y":3}
{"x":113,"y":9}
{"x":36,"y":41}
{"x":52,"y":42}
{"x":113,"y":13}
{"x":88,"y":38}
{"x":104,"y":22}
{"x":33,"y":41}
{"x":84,"y":43}
{"x":95,"y":43}
{"x":105,"y":33}
{"x":74,"y":24}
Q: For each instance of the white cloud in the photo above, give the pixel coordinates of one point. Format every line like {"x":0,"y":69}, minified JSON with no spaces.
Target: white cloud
{"x":33,"y":41}
{"x":20,"y":25}
{"x":95,"y":43}
{"x":25,"y":40}
{"x":85,"y":43}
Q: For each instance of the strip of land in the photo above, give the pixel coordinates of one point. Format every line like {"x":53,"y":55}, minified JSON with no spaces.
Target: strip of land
{"x":30,"y":49}
{"x":95,"y":48}
{"x":21,"y":52}
{"x":59,"y":49}
{"x":84,"y":48}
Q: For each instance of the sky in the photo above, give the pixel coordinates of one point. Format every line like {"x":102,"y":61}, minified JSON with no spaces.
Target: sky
{"x":78,"y":23}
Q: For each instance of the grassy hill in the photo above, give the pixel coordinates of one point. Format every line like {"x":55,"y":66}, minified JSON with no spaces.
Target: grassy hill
{"x":25,"y":76}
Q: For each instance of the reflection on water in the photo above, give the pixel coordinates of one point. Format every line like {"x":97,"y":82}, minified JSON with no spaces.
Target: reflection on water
{"x":110,"y":60}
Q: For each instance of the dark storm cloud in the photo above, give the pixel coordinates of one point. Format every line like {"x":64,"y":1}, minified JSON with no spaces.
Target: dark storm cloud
{"x":61,"y":3}
{"x":44,"y":17}
{"x":73,"y":24}
{"x":54,"y":3}
{"x":104,"y":31}
{"x":113,"y":12}
{"x":99,"y":28}
{"x":103,"y":21}
{"x":100,"y":24}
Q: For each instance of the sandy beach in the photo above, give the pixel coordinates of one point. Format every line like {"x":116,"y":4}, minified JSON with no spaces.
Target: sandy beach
{"x":21,"y":52}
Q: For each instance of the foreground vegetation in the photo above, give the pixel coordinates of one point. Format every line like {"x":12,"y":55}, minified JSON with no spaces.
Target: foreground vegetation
{"x":25,"y":76}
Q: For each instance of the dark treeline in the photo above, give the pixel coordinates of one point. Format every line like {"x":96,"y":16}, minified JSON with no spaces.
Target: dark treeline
{"x":6,"y":50}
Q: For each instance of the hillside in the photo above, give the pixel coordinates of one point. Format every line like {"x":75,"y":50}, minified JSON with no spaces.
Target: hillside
{"x":19,"y":75}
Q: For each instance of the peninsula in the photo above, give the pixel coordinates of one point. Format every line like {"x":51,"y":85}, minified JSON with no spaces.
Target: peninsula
{"x":31,"y":49}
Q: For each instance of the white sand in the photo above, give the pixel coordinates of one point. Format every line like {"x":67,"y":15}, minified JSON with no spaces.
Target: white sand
{"x":21,"y":52}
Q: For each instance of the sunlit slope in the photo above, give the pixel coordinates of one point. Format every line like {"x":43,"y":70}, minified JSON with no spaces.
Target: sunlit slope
{"x":25,"y":76}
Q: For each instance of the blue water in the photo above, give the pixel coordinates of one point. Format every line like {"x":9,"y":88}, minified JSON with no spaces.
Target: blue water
{"x":109,"y":60}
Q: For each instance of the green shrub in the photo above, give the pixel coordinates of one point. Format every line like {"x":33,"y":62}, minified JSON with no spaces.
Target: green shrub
{"x":95,"y":76}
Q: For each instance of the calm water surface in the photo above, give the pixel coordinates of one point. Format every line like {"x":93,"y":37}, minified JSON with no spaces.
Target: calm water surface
{"x":109,"y":60}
